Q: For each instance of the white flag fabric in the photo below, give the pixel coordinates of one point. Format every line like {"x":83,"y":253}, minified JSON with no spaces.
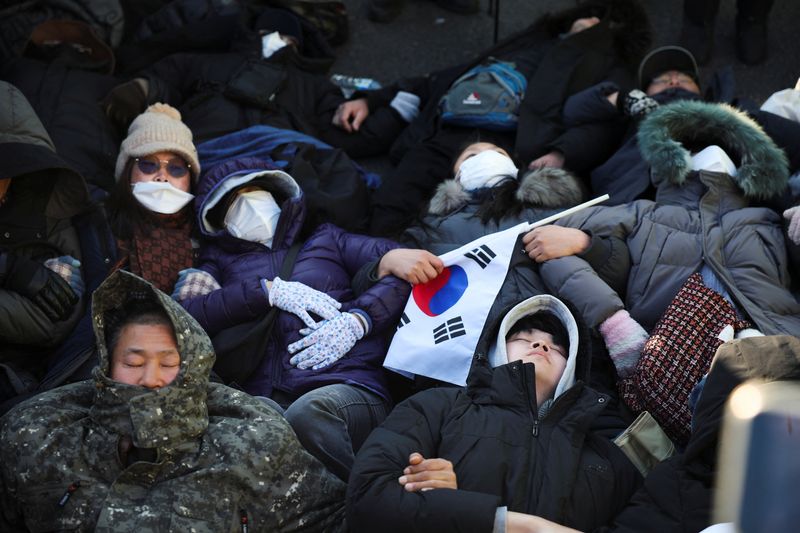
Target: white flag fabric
{"x":443,"y":318}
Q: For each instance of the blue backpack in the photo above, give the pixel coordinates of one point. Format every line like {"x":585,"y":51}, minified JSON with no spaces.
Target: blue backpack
{"x":486,"y":96}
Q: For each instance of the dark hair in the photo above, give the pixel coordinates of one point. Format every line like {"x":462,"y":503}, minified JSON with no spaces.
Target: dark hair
{"x":543,"y":321}
{"x":499,"y":202}
{"x":140,"y":312}
{"x":125,"y":212}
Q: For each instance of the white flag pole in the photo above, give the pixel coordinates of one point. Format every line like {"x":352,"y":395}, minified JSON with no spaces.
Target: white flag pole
{"x":566,"y":212}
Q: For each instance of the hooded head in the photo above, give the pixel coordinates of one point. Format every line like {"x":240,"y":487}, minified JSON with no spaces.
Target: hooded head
{"x":30,"y":160}
{"x":246,"y":199}
{"x":540,"y":330}
{"x":163,"y":417}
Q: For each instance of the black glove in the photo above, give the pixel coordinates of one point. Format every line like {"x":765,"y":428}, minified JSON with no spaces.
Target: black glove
{"x":46,"y":289}
{"x":124,"y":103}
{"x":636,"y":103}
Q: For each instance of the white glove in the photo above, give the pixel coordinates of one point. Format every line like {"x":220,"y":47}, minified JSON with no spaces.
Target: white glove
{"x":299,"y":299}
{"x":328,"y":343}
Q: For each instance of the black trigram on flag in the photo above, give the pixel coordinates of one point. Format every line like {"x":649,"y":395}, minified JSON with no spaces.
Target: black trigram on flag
{"x":482,"y":255}
{"x":449,"y":330}
{"x":403,"y":321}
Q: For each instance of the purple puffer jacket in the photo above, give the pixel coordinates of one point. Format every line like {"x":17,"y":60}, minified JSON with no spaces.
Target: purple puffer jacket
{"x":327,"y":262}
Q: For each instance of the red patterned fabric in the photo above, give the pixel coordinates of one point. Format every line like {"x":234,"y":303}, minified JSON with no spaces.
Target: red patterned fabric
{"x":160,"y":248}
{"x":677,"y":355}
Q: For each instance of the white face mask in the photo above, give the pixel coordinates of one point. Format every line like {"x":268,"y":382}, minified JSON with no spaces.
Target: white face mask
{"x":485,"y":169}
{"x":161,"y":197}
{"x":253,"y":216}
{"x":271,"y":43}
{"x":714,"y":159}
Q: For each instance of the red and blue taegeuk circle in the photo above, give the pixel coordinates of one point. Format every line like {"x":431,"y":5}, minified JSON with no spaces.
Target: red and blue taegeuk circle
{"x":441,"y":293}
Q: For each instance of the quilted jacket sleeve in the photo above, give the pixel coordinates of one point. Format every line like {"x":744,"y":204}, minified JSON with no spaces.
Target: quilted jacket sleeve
{"x":235,"y":303}
{"x":384,"y":301}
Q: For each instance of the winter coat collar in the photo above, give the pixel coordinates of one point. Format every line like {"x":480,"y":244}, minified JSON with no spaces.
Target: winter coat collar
{"x":541,"y":302}
{"x":668,"y":133}
{"x":546,"y":187}
{"x":170,"y":418}
{"x":231,"y":174}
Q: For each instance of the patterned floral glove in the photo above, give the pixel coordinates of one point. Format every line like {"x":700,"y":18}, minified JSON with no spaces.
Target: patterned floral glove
{"x":793,"y":216}
{"x":327,"y":343}
{"x":69,"y":269}
{"x":299,"y":299}
{"x":193,"y":282}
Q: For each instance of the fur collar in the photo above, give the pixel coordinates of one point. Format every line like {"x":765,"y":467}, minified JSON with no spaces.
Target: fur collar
{"x":668,"y":134}
{"x":544,"y":187}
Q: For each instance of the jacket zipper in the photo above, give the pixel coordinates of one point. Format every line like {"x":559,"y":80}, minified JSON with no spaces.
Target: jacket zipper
{"x":534,"y":415}
{"x":65,"y":498}
{"x":243,"y":520}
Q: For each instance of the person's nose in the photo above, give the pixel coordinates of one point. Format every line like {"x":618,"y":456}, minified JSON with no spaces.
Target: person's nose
{"x":151,"y":376}
{"x":540,"y":345}
{"x":161,"y":174}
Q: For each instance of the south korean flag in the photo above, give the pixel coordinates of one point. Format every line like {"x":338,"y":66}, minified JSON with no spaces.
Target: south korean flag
{"x":443,"y":318}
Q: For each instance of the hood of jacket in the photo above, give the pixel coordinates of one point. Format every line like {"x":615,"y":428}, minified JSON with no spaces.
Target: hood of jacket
{"x":542,"y":302}
{"x":27,"y":152}
{"x":167,"y":418}
{"x":544,"y":187}
{"x":225,"y":177}
{"x":669,"y":135}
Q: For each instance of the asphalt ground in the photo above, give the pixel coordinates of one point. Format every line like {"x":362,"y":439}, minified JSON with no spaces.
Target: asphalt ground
{"x":425,"y":38}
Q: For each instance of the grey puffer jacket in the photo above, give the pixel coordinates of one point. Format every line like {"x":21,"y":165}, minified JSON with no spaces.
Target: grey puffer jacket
{"x":453,"y":220}
{"x":702,"y":218}
{"x":211,"y":458}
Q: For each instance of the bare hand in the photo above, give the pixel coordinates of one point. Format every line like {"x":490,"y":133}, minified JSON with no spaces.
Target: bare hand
{"x":552,"y":159}
{"x":412,"y":265}
{"x":350,"y":115}
{"x":551,"y":242}
{"x":427,"y":474}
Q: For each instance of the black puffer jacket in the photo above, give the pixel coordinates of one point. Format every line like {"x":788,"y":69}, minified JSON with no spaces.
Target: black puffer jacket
{"x":505,"y":452}
{"x":17,"y":20}
{"x":555,"y":68}
{"x":36,"y":222}
{"x":221,"y":93}
{"x":65,"y":99}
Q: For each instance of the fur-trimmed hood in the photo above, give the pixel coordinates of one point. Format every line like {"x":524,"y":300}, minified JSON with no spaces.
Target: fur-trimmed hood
{"x":670,"y":133}
{"x":544,"y":187}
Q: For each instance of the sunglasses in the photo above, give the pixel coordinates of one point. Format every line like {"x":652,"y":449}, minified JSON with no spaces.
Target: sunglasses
{"x":176,"y":167}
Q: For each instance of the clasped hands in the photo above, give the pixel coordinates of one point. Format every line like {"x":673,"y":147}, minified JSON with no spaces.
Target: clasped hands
{"x":323,"y":342}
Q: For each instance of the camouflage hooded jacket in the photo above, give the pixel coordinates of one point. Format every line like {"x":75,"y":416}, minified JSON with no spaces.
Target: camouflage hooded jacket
{"x":223,"y":461}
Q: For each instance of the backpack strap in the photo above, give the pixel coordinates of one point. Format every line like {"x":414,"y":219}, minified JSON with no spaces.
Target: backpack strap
{"x":249,"y":340}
